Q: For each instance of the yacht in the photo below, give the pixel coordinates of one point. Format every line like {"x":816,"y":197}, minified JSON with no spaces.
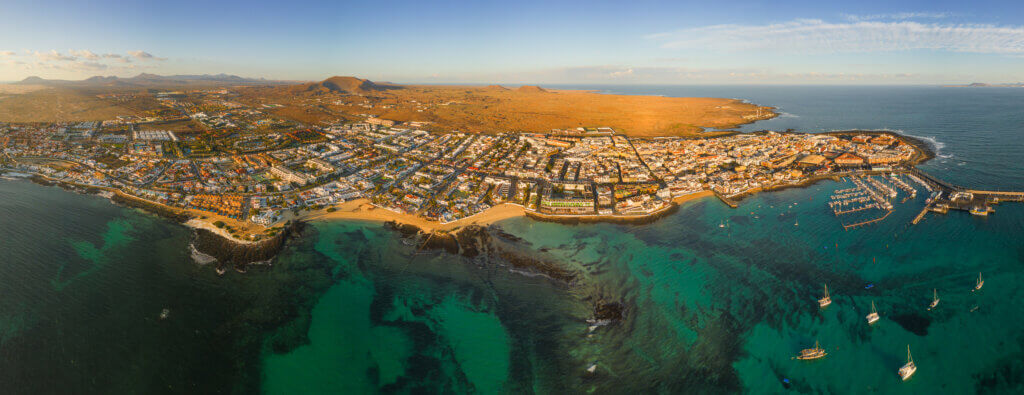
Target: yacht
{"x":812,"y":353}
{"x":826,"y":300}
{"x":979,"y":283}
{"x":873,"y":317}
{"x":935,"y":299}
{"x":909,"y":368}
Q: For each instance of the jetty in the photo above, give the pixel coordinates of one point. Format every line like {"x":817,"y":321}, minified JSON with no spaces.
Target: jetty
{"x":948,"y":196}
{"x":729,"y":202}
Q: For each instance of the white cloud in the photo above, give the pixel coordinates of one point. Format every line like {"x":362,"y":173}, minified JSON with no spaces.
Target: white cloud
{"x":85,"y":54}
{"x":143,"y":55}
{"x":816,"y":36}
{"x":53,"y":55}
{"x":87,"y":66}
{"x":898,"y":16}
{"x":6,"y":53}
{"x":621,"y":73}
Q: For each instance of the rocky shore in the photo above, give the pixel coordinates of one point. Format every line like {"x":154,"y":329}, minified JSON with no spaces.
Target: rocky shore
{"x":241,"y":255}
{"x":492,"y":245}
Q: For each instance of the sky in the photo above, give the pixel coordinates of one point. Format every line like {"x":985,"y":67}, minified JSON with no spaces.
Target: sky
{"x":517,"y":42}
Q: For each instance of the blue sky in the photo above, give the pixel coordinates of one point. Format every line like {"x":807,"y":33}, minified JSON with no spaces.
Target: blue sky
{"x":548,"y":42}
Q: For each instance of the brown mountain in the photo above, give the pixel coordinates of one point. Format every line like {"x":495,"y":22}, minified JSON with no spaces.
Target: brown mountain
{"x":350,"y":85}
{"x":532,"y":89}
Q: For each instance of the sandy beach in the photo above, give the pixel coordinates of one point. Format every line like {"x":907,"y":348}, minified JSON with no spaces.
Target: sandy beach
{"x":362,"y":209}
{"x":692,"y":196}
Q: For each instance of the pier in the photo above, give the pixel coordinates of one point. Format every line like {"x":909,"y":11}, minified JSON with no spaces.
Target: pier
{"x":954,"y":197}
{"x":868,"y":222}
{"x":725,"y":199}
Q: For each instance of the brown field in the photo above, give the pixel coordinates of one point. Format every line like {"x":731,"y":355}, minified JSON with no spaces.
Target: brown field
{"x":493,"y":108}
{"x":14,"y":89}
{"x":474,"y":109}
{"x":58,"y":105}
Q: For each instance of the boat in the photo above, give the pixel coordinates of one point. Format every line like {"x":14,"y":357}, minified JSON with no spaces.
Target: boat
{"x":979,"y":283}
{"x":797,"y":223}
{"x":164,"y":314}
{"x":869,"y":286}
{"x":721,"y":224}
{"x":812,"y":353}
{"x":826,"y":300}
{"x":873,"y":317}
{"x":935,"y":299}
{"x":909,"y":368}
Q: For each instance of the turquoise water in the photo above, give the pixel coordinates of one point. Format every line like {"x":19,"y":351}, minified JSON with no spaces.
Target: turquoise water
{"x":348,"y":308}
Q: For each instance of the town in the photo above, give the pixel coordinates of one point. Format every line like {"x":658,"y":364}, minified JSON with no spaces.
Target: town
{"x":243,"y":164}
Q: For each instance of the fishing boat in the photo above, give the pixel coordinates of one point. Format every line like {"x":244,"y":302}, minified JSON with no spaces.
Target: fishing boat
{"x":908,"y":370}
{"x":812,"y":353}
{"x":826,"y":300}
{"x":873,"y":317}
{"x":935,"y":299}
{"x":979,"y":283}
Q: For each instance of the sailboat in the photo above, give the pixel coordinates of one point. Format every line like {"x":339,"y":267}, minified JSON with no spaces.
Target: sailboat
{"x":812,"y":353}
{"x":873,"y":317}
{"x":979,"y":284}
{"x":826,"y":300}
{"x":935,"y":299}
{"x":908,"y":370}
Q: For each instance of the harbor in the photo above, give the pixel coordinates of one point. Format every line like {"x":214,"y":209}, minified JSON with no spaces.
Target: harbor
{"x":870,"y":200}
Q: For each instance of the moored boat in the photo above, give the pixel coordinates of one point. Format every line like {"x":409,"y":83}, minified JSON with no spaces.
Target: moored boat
{"x":826,"y":300}
{"x":979,"y":283}
{"x":873,"y":317}
{"x":812,"y":353}
{"x":909,"y":368}
{"x":935,"y":299}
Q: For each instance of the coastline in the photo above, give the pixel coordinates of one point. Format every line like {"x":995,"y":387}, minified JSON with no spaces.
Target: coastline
{"x":264,"y":242}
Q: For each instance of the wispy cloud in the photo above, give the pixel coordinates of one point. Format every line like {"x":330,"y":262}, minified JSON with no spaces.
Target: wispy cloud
{"x":143,"y":55}
{"x":53,"y":55}
{"x":898,"y":16}
{"x":87,"y":54}
{"x":7,"y":53}
{"x":817,"y":36}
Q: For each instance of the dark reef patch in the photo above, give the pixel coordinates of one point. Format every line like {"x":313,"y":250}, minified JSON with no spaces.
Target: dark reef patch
{"x":913,"y":322}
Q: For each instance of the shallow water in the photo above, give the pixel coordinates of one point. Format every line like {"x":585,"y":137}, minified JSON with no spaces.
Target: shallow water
{"x":349,"y":308}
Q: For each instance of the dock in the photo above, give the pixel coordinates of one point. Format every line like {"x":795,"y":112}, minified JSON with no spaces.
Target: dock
{"x":726,"y":200}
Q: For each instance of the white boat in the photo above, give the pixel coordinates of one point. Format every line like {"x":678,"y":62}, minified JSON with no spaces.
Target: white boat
{"x":909,"y":368}
{"x":980,"y":282}
{"x":826,"y":300}
{"x":812,"y":353}
{"x":935,"y":299}
{"x":873,"y":317}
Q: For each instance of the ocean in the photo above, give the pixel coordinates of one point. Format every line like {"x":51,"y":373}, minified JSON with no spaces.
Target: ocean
{"x":714,"y":299}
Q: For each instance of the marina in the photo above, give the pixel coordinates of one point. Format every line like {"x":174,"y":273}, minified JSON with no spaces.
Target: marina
{"x":875,"y":191}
